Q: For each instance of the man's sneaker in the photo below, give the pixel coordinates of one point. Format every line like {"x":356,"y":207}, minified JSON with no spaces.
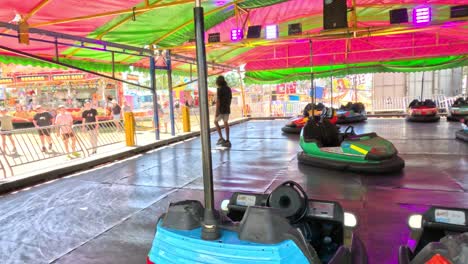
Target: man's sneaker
{"x":14,"y":150}
{"x":76,"y":154}
{"x":227,"y":144}
{"x":69,"y":156}
{"x":44,"y":149}
{"x":221,"y":141}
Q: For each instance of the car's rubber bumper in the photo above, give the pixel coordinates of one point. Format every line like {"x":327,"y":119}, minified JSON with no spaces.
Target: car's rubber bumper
{"x":351,"y":119}
{"x":423,"y":118}
{"x":291,"y":130}
{"x":389,"y":165}
{"x":462,"y":135}
{"x":456,"y":118}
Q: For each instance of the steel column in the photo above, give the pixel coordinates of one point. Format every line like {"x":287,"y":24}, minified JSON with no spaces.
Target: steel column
{"x":169,"y":87}
{"x":155,"y":96}
{"x":312,"y":86}
{"x":209,"y":229}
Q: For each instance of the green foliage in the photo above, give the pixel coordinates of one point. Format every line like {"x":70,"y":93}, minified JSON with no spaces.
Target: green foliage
{"x":232,"y":78}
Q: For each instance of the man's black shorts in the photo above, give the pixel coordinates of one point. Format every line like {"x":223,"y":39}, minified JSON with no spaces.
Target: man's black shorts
{"x":44,"y":132}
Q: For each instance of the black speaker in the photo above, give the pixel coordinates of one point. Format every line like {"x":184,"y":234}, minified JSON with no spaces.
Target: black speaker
{"x":214,"y":37}
{"x":294,"y":29}
{"x":254,"y":32}
{"x":459,"y":11}
{"x":335,"y":14}
{"x":398,"y":16}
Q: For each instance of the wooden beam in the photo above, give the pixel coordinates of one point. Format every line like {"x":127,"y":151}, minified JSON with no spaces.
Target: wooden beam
{"x":36,"y":9}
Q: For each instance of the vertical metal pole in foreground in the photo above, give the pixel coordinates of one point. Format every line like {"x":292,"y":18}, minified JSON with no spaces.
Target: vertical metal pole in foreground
{"x":312,"y":86}
{"x":355,"y":89}
{"x":209,"y":229}
{"x":331,"y":91}
{"x":155,"y":96}
{"x":169,"y":87}
{"x":244,"y":110}
{"x":422,"y":86}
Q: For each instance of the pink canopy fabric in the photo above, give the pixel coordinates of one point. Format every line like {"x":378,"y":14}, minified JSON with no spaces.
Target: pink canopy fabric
{"x":375,"y":39}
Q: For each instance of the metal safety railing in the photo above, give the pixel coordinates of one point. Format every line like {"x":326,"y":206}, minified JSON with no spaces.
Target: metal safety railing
{"x":99,"y":134}
{"x":25,"y":146}
{"x":22,"y":147}
{"x":400,"y":104}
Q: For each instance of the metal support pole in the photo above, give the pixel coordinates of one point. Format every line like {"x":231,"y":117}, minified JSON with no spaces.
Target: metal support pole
{"x":331,"y":91}
{"x":355,"y":88}
{"x":244,"y":110}
{"x":312,"y":86}
{"x":210,"y":222}
{"x":422,"y":86}
{"x":169,"y":87}
{"x":155,"y":96}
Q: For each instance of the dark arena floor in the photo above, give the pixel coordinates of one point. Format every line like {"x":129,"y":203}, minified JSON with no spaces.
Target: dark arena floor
{"x":108,"y":215}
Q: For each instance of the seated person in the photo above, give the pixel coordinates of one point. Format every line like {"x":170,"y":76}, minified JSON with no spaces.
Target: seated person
{"x":464,"y":124}
{"x":414,"y":103}
{"x":346,"y":107}
{"x":429,"y":103}
{"x":459,"y":101}
{"x":326,"y":133}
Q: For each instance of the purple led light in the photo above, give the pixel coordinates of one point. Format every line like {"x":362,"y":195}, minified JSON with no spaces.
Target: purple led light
{"x":237,"y":34}
{"x":421,"y":15}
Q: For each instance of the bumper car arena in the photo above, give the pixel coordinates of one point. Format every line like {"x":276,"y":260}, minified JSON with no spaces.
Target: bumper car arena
{"x":234,"y":132}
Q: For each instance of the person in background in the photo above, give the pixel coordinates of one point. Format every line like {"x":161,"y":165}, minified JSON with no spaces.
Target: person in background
{"x":43,"y":119}
{"x":223,"y":109}
{"x":29,"y":106}
{"x":20,"y":113}
{"x":6,"y":128}
{"x":126,"y":108}
{"x":90,"y":125}
{"x":65,"y":122}
{"x":116,"y":114}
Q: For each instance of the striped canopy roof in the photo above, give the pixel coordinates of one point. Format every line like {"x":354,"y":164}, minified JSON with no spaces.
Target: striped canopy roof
{"x":369,"y":44}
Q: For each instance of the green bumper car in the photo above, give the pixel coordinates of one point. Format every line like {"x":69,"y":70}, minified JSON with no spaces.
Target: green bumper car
{"x":459,"y":110}
{"x":323,"y":146}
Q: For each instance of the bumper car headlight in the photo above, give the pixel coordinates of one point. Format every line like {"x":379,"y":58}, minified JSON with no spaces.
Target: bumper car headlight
{"x":350,"y":220}
{"x":415,"y":221}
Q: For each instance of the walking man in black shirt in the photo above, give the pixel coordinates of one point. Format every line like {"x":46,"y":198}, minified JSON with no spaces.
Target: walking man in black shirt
{"x":223,"y":109}
{"x":90,"y":125}
{"x":43,"y":119}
